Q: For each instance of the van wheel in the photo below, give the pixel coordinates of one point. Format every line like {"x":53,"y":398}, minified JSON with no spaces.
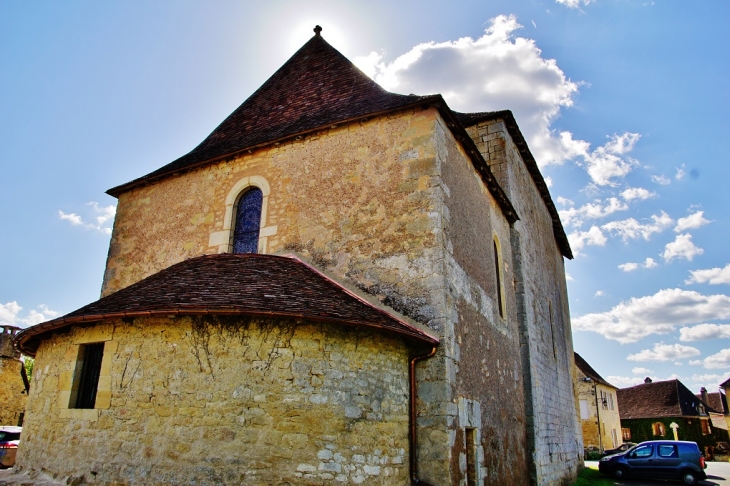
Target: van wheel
{"x":619,"y":473}
{"x":689,"y":477}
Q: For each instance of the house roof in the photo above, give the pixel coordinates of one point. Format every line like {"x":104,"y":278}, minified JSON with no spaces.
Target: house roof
{"x":717,"y":401}
{"x":317,"y":88}
{"x":228,"y":284}
{"x":588,"y":370}
{"x":658,"y":399}
{"x":725,"y":383}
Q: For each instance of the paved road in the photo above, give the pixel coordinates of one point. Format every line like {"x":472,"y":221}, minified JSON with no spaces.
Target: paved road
{"x":718,"y":474}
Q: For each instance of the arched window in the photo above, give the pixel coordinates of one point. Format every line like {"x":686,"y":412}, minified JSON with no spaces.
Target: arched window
{"x":248,"y":221}
{"x":498,"y":275}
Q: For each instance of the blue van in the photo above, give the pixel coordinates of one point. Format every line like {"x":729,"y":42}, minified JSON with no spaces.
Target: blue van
{"x":657,"y":459}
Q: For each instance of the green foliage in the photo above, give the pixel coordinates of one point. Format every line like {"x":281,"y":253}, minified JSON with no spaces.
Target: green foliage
{"x":593,"y":456}
{"x":591,"y":477}
{"x":689,"y":429}
{"x":28,"y":363}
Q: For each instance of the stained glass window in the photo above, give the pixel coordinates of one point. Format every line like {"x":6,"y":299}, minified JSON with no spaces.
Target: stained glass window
{"x":248,"y":221}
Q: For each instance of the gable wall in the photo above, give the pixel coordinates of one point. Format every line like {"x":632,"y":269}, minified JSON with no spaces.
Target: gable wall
{"x":547,"y":350}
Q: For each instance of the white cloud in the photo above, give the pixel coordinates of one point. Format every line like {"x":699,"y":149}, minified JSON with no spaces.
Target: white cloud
{"x":10,"y":315}
{"x":101,"y":215}
{"x":709,"y":380}
{"x":549,"y":182}
{"x":641,"y":371}
{"x":660,"y":313}
{"x":661,"y":180}
{"x":664,"y":352}
{"x":599,"y":293}
{"x":703,"y":332}
{"x":500,"y":70}
{"x":564,"y":201}
{"x":680,"y":173}
{"x":607,"y":162}
{"x":580,"y":239}
{"x":637,"y":193}
{"x":568,"y":277}
{"x":624,"y":381}
{"x":628,"y":267}
{"x":630,"y":229}
{"x":595,"y":210}
{"x":681,"y":247}
{"x":574,"y":3}
{"x":692,"y":221}
{"x":713,"y":276}
{"x":716,"y":361}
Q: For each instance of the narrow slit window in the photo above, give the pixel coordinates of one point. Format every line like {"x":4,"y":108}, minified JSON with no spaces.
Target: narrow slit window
{"x":248,"y":222}
{"x":471,"y":457}
{"x":86,"y":377}
{"x":498,"y":273}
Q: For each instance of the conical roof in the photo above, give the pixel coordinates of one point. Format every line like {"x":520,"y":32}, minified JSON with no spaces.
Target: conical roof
{"x":316,"y":87}
{"x":238,"y":285}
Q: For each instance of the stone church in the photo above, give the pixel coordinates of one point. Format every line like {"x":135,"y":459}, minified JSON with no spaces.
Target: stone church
{"x":339,"y":285}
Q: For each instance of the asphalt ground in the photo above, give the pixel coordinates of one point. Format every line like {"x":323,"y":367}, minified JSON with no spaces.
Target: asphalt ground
{"x":718,"y":473}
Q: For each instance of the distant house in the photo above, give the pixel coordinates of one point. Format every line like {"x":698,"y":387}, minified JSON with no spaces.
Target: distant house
{"x":13,"y":382}
{"x":649,"y":410}
{"x":718,"y":402}
{"x":599,"y":412}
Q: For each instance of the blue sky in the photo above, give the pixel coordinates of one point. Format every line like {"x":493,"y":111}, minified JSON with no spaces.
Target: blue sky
{"x":623,"y":103}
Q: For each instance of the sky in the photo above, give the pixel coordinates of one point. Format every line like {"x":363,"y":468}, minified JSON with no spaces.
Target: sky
{"x":623,"y":104}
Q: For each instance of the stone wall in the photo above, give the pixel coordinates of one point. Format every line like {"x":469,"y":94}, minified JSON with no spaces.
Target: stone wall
{"x":542,"y":305}
{"x":223,"y":401}
{"x":482,"y":345}
{"x":12,"y":386}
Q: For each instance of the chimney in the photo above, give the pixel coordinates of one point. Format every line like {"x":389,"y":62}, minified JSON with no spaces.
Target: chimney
{"x":703,"y":394}
{"x":647,"y":380}
{"x":6,"y":342}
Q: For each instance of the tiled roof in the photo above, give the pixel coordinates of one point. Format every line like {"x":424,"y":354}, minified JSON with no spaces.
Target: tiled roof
{"x":226,"y":284}
{"x":469,"y":119}
{"x":658,"y":399}
{"x":717,"y":401}
{"x":589,"y":371}
{"x":319,"y":87}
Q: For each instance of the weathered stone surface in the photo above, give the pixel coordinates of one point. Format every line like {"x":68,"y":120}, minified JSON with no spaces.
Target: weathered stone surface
{"x":12,"y":386}
{"x":220,"y":402}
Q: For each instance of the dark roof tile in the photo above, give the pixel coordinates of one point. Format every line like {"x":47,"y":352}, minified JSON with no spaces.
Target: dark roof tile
{"x":658,"y":399}
{"x":248,"y":284}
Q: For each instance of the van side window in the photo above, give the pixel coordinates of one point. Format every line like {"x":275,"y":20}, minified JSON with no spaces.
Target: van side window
{"x":667,"y":450}
{"x":644,"y":451}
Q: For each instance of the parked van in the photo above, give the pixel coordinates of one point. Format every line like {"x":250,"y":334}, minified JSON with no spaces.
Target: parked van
{"x":658,"y":459}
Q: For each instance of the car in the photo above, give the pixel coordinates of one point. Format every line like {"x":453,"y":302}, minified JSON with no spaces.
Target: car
{"x":657,"y":459}
{"x":9,"y":440}
{"x":622,"y":448}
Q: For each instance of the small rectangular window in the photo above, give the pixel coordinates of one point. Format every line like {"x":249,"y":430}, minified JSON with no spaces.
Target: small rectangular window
{"x":667,"y":450}
{"x":86,"y":375}
{"x":626,"y":433}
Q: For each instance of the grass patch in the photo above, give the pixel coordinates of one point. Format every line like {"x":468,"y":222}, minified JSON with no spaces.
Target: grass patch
{"x":591,"y":477}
